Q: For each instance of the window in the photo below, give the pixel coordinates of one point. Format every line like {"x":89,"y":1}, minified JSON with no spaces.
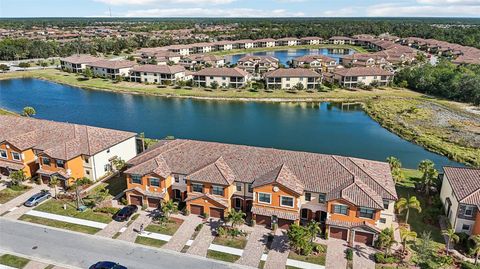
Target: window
{"x":321,"y":198}
{"x":16,"y":156}
{"x":86,"y":160}
{"x":286,"y":201}
{"x":3,"y":153}
{"x":46,"y":161}
{"x":60,"y":163}
{"x":383,"y":220}
{"x":136,"y":179}
{"x":465,"y":227}
{"x":217,"y":190}
{"x":197,"y":187}
{"x":386,"y":203}
{"x":340,"y":209}
{"x":87,"y":172}
{"x":177,"y":178}
{"x":469,"y":211}
{"x":238,"y":203}
{"x":250,"y":188}
{"x":367,"y":213}
{"x":308,"y":196}
{"x":239,"y":186}
{"x":264,"y":198}
{"x":107,"y":167}
{"x":154,"y":182}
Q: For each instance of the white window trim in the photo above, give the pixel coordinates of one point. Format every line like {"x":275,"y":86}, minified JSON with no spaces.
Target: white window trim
{"x":19,"y":156}
{"x":359,"y":213}
{"x":333,"y":209}
{"x":238,"y":184}
{"x":283,"y":196}
{"x":269,"y":194}
{"x":197,"y":184}
{"x":6,"y":154}
{"x":223,"y":190}
{"x":471,"y":208}
{"x":159,"y":183}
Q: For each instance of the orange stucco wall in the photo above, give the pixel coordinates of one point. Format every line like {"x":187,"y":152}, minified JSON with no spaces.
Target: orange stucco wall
{"x":275,"y":198}
{"x":27,"y":158}
{"x":164,"y":184}
{"x":75,"y":165}
{"x":206,"y":203}
{"x":352,"y":213}
{"x":476,"y":226}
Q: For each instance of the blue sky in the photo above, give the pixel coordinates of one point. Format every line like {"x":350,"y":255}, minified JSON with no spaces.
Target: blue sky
{"x":240,"y":8}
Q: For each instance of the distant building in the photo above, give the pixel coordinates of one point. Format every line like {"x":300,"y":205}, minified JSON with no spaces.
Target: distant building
{"x":224,"y":77}
{"x":351,"y":77}
{"x":111,"y":69}
{"x":77,"y":63}
{"x":289,"y":78}
{"x":162,"y":74}
{"x":258,"y":64}
{"x":320,"y":63}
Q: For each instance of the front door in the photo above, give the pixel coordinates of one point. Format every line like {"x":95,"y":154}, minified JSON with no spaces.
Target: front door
{"x":304,"y":214}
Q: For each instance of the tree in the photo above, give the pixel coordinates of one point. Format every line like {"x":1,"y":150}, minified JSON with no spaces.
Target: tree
{"x":53,"y":184}
{"x":385,"y":240}
{"x":235,"y":217}
{"x":406,"y":235}
{"x":4,"y":67}
{"x":429,"y":175}
{"x":407,"y":204}
{"x":119,"y":78}
{"x":214,"y":85}
{"x":451,"y":237}
{"x":88,"y":73}
{"x":17,"y":177}
{"x":28,"y":111}
{"x":396,"y":168}
{"x":299,"y":239}
{"x":476,"y":246}
{"x":299,"y":87}
{"x":313,"y":228}
{"x":118,"y":163}
{"x":44,"y":64}
{"x":169,"y":207}
{"x":425,"y":247}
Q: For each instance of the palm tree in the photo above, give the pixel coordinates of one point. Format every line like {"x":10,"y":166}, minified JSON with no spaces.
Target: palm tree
{"x":429,"y":174}
{"x":406,"y":235}
{"x":396,"y":168}
{"x":235,"y":217}
{"x":452,"y":237}
{"x":169,"y":207}
{"x":386,"y":240}
{"x":313,"y":228}
{"x":404,"y":204}
{"x":53,"y":184}
{"x":476,"y":246}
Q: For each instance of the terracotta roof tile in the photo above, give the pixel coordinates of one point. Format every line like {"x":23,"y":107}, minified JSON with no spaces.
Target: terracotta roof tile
{"x":465,"y":183}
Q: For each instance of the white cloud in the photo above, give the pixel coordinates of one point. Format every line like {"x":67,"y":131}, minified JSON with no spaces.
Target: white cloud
{"x":449,"y":2}
{"x":211,"y":12}
{"x":396,"y":10}
{"x":146,"y":2}
{"x":342,"y":12}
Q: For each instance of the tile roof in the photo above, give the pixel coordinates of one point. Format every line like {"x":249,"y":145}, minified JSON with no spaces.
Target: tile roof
{"x":217,"y":173}
{"x":259,"y":58}
{"x":281,"y":175}
{"x":194,"y":196}
{"x":312,"y":58}
{"x":362,"y":71}
{"x":281,"y":214}
{"x":57,"y":139}
{"x":465,"y":183}
{"x":162,"y":69}
{"x":316,"y":172}
{"x":353,"y":225}
{"x":112,"y":64}
{"x":81,"y":59}
{"x":11,"y":165}
{"x":222,"y":71}
{"x":292,"y":72}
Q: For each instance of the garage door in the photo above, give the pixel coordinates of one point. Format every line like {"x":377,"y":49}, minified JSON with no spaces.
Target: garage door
{"x":152,"y":202}
{"x":263,"y":220}
{"x":136,"y":200}
{"x":365,"y":238}
{"x":338,"y":233}
{"x":284,"y":223}
{"x":216,"y":213}
{"x":196,"y":209}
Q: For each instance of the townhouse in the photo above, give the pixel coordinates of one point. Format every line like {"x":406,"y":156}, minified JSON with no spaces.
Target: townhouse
{"x":223,"y":77}
{"x":111,"y":69}
{"x":265,"y":43}
{"x":341,"y":40}
{"x":291,"y":78}
{"x":352,"y":198}
{"x":258,"y":64}
{"x":311,"y":40}
{"x":460,"y":195}
{"x":363,"y":60}
{"x":287,"y":41}
{"x":352,"y":77}
{"x":69,"y":151}
{"x":223,"y":45}
{"x":319,"y":63}
{"x":161,"y":74}
{"x":244,"y":44}
{"x":77,"y":63}
{"x":162,"y":57}
{"x":197,"y":61}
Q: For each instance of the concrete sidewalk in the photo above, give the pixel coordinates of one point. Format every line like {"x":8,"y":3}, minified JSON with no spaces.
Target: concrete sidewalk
{"x":112,"y":228}
{"x":98,"y":225}
{"x":20,"y":199}
{"x":131,"y":233}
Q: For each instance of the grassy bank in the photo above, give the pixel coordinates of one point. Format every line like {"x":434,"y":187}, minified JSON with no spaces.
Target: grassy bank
{"x":321,"y":46}
{"x":6,"y":112}
{"x":446,"y":130}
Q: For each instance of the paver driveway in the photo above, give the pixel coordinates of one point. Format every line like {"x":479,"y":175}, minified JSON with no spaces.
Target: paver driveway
{"x":255,"y":246}
{"x":204,"y":238}
{"x":363,"y":257}
{"x":278,"y":254}
{"x":184,"y":232}
{"x":336,"y":254}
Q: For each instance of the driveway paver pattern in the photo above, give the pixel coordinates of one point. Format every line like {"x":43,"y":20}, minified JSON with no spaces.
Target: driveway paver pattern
{"x":336,"y":258}
{"x":131,"y":233}
{"x":278,"y":254}
{"x":112,"y":228}
{"x":363,"y":257}
{"x":184,"y":233}
{"x":255,"y":246}
{"x":204,"y":238}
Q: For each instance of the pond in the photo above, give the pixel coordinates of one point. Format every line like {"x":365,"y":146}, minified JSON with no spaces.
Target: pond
{"x":287,"y":55}
{"x":315,"y":127}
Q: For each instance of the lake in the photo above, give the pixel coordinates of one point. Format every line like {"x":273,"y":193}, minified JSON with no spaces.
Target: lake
{"x":287,"y":55}
{"x":316,"y":127}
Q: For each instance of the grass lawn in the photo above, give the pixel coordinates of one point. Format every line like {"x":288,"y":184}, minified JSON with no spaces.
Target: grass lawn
{"x":60,"y":224}
{"x":316,"y":259}
{"x":13,"y":261}
{"x":150,"y":242}
{"x":115,"y":185}
{"x":10,"y":193}
{"x":6,"y":112}
{"x":56,"y":207}
{"x":226,"y":257}
{"x":233,"y":242}
{"x":168,"y":228}
{"x":261,"y":264}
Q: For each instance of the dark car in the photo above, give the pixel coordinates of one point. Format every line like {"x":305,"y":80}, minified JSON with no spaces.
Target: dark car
{"x":125,"y":213}
{"x":107,"y":265}
{"x":37,"y":198}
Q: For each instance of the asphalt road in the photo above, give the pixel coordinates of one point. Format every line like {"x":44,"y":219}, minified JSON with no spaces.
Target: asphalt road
{"x":82,"y":250}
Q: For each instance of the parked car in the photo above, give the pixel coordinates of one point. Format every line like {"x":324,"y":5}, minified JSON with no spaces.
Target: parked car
{"x":125,"y":213}
{"x":107,"y":265}
{"x":37,"y":198}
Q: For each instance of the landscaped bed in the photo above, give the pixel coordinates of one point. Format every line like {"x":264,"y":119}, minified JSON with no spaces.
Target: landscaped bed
{"x":150,"y":241}
{"x":226,"y":257}
{"x":12,"y":192}
{"x":234,"y":242}
{"x":56,"y":207}
{"x":60,"y":224}
{"x":13,"y":261}
{"x":318,"y":258}
{"x":168,"y":227}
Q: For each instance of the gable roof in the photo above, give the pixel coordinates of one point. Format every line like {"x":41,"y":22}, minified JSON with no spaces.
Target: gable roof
{"x":283,"y":176}
{"x":112,"y":64}
{"x":292,"y":72}
{"x":80,"y":59}
{"x":362,"y":71}
{"x":163,"y":69}
{"x":217,"y":173}
{"x":222,"y":71}
{"x":465,"y":183}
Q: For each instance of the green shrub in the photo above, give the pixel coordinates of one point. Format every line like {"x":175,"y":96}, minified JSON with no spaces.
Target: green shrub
{"x":467,"y":265}
{"x":199,"y":227}
{"x":349,"y":254}
{"x":221,"y":231}
{"x":380,"y":257}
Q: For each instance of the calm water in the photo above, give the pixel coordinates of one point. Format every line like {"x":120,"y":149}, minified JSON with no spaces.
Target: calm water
{"x":316,"y":127}
{"x":287,"y":55}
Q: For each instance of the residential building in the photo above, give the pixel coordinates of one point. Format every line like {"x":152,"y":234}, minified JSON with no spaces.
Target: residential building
{"x":224,"y":77}
{"x":460,"y":195}
{"x":287,"y":41}
{"x":257,"y":64}
{"x":69,"y":151}
{"x":341,"y":40}
{"x":244,"y":44}
{"x":161,"y":57}
{"x":363,"y":60}
{"x":311,"y":40}
{"x":161,"y":74}
{"x":197,"y":61}
{"x":111,"y":69}
{"x":265,"y":43}
{"x":223,"y":45}
{"x":292,"y":77}
{"x":77,"y":63}
{"x":180,"y":49}
{"x":351,"y":77}
{"x":352,"y":198}
{"x":319,"y":63}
